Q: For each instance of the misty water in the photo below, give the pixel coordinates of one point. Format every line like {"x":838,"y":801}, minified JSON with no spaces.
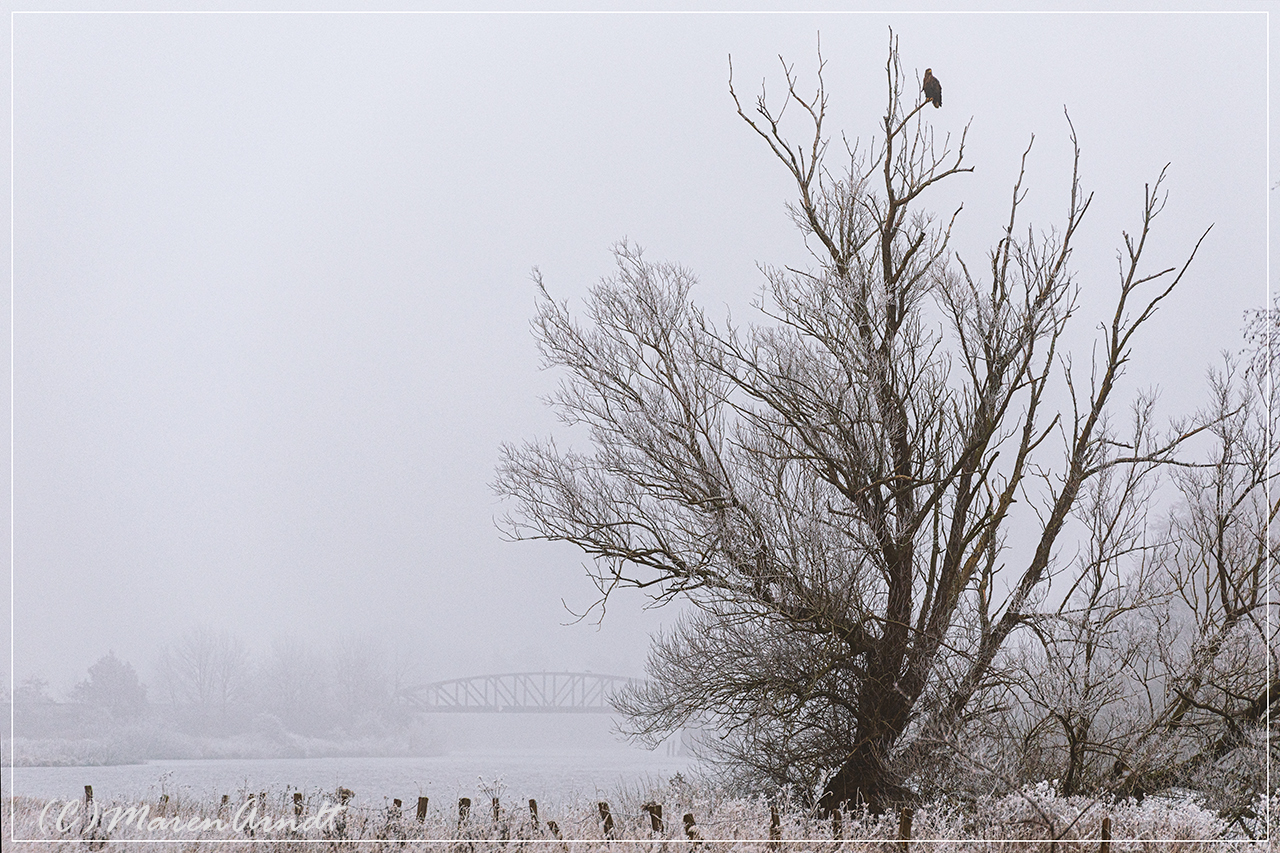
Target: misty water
{"x":550,"y":776}
{"x":549,"y":757}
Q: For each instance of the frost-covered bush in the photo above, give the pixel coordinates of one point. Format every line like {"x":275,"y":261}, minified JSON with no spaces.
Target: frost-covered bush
{"x":1037,"y":812}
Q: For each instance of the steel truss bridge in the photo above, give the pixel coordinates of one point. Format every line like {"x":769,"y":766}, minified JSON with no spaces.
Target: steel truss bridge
{"x":520,"y":693}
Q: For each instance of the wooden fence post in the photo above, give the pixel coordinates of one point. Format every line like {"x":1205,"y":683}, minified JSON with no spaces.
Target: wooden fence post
{"x":655,"y":816}
{"x":97,"y":835}
{"x":533,"y":814}
{"x":96,"y":843}
{"x":1106,"y":834}
{"x":775,"y":828}
{"x":422,"y":809}
{"x":904,"y":830}
{"x":395,"y":817}
{"x":690,"y":828}
{"x":297,"y":803}
{"x":226,"y":798}
{"x":554,"y":827}
{"x":464,"y":810}
{"x":496,"y":809}
{"x":837,"y":828}
{"x":607,"y":818}
{"x":344,"y":796}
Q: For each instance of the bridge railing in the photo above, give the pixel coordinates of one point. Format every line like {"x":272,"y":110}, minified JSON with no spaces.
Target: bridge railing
{"x":521,"y":692}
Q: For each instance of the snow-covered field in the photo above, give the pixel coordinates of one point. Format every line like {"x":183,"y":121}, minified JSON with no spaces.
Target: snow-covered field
{"x":549,"y":775}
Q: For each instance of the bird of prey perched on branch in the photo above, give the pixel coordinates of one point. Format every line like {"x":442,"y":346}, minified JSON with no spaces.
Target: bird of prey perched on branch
{"x":932,"y":88}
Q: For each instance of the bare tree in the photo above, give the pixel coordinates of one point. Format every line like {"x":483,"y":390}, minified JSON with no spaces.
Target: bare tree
{"x":295,"y":686}
{"x":833,"y":489}
{"x":1217,"y":660}
{"x":362,"y":686}
{"x":1153,"y":669}
{"x":204,"y":675}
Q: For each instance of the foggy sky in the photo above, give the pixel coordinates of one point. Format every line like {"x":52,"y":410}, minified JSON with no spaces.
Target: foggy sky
{"x":271,"y":280}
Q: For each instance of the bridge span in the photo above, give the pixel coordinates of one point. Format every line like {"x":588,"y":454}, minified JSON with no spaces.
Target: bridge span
{"x":520,"y":693}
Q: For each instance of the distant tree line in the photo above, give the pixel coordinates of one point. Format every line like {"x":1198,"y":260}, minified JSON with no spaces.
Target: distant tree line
{"x":208,"y":683}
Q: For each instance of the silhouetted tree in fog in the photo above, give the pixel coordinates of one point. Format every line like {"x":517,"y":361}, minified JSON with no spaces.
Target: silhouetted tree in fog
{"x":833,"y":489}
{"x":204,"y":676}
{"x":113,"y":684}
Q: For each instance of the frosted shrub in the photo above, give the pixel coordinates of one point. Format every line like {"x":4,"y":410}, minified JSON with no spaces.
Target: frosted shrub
{"x":1168,"y":817}
{"x":1037,"y":812}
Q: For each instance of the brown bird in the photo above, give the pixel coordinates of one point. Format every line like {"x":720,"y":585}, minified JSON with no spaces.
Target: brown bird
{"x":932,"y":88}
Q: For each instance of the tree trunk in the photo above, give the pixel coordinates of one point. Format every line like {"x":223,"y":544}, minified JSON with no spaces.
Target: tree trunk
{"x":864,"y":780}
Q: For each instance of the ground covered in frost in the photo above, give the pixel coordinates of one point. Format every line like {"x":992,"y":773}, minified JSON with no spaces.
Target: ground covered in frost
{"x":1032,"y":819}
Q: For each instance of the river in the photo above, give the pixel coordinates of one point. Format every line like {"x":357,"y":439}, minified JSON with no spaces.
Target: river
{"x":516,"y":776}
